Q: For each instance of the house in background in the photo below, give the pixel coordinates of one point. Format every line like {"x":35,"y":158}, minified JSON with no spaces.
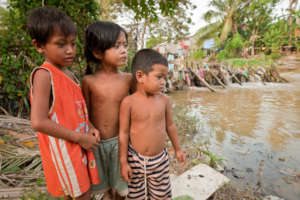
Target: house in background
{"x":178,"y":53}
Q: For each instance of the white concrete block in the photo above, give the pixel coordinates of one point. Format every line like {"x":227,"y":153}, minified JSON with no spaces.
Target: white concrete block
{"x":200,"y":182}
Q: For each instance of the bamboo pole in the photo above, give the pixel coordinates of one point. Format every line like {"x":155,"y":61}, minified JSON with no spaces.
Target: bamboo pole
{"x":235,"y":78}
{"x":203,"y":81}
{"x":219,"y":81}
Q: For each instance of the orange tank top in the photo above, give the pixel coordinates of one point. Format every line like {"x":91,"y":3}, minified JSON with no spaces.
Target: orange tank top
{"x":68,"y":168}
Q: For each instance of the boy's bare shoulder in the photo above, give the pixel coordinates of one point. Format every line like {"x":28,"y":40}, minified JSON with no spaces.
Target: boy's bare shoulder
{"x":127,"y":75}
{"x":90,"y":79}
{"x":87,"y":78}
{"x":164,"y":97}
{"x":128,"y":100}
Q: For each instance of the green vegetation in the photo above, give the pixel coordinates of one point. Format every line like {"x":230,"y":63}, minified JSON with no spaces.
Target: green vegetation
{"x":242,"y":62}
{"x":247,"y":28}
{"x":18,"y":57}
{"x":185,"y":197}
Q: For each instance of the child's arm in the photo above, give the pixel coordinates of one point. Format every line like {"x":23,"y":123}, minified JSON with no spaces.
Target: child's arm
{"x":40,"y":109}
{"x":172,"y":133}
{"x":124,"y":138}
{"x":86,"y":95}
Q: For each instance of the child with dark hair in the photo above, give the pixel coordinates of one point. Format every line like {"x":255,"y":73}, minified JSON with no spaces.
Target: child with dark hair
{"x":145,"y":120}
{"x":106,"y":48}
{"x":58,"y":110}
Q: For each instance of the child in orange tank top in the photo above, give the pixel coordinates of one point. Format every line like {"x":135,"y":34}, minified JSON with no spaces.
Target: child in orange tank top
{"x":58,"y":109}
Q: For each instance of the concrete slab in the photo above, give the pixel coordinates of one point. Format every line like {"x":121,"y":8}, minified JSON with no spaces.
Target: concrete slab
{"x":200,"y":182}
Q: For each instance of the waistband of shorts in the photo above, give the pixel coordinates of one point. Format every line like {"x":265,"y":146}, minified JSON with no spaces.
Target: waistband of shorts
{"x":130,"y":148}
{"x":110,"y":140}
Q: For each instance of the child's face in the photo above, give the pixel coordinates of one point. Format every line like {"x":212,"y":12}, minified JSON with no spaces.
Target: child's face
{"x":155,"y":81}
{"x":117,"y":55}
{"x":59,"y":50}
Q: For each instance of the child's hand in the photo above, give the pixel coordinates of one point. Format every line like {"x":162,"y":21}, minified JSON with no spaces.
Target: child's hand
{"x":180,"y":157}
{"x":126,"y":172}
{"x":93,"y":131}
{"x":87,"y":141}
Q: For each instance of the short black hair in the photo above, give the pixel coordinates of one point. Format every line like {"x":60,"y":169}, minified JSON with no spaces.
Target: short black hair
{"x":43,"y":21}
{"x":100,"y":36}
{"x":145,"y":59}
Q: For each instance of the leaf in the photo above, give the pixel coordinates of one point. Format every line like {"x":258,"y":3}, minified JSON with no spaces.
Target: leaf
{"x":28,"y":144}
{"x":2,"y":141}
{"x":11,"y":169}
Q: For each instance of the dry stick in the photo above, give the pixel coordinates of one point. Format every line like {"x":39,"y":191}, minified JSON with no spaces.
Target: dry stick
{"x":3,"y":177}
{"x":219,"y":81}
{"x":26,"y":139}
{"x":237,"y":80}
{"x":17,"y":192}
{"x":283,"y":79}
{"x":232,"y":74}
{"x":203,"y":81}
{"x":3,"y":110}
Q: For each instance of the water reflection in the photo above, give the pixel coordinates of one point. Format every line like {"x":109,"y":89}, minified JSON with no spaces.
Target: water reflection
{"x":247,"y":124}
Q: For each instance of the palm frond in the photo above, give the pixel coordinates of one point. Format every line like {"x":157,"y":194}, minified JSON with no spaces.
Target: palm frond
{"x":211,"y":14}
{"x":207,"y":32}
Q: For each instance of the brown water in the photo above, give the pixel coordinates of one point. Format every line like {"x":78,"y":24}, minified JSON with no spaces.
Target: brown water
{"x":247,"y":124}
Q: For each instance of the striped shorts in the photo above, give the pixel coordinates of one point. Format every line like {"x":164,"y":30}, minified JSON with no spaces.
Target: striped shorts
{"x":150,"y":176}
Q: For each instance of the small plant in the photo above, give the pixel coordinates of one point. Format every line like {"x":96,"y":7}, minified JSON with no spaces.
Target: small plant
{"x":185,"y":197}
{"x":213,"y":158}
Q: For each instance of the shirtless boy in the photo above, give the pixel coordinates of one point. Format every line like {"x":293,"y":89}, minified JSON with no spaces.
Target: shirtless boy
{"x":106,"y":47}
{"x":145,"y":120}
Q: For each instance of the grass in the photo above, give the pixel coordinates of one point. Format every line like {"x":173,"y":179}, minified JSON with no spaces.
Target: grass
{"x":243,"y":62}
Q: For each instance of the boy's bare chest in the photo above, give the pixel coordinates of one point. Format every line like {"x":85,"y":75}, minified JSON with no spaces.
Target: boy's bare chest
{"x":144,"y":111}
{"x":110,"y":90}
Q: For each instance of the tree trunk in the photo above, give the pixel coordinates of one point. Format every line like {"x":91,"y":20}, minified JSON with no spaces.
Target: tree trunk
{"x":104,"y":9}
{"x":143,"y":34}
{"x":226,"y":29}
{"x":252,"y":40}
{"x":292,"y":5}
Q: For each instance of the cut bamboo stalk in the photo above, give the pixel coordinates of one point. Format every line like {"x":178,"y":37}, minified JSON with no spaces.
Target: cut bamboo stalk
{"x":219,"y":81}
{"x":203,"y":81}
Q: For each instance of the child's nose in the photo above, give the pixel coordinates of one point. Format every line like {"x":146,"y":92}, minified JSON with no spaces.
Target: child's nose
{"x":70,"y":49}
{"x":123,"y":48}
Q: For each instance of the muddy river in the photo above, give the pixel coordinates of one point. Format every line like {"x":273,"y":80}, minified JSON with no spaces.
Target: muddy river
{"x":253,"y":126}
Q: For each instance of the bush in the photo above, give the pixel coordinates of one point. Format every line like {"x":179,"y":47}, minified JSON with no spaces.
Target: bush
{"x":17,"y":55}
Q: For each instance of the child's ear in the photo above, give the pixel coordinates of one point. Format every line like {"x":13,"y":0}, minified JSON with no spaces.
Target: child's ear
{"x":139,"y":75}
{"x":98,"y":54}
{"x":39,"y":47}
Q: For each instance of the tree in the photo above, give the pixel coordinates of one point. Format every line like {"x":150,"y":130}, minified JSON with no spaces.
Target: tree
{"x":17,"y":55}
{"x":276,"y":35}
{"x":167,"y":20}
{"x":223,"y":13}
{"x":292,"y":6}
{"x":257,"y":16}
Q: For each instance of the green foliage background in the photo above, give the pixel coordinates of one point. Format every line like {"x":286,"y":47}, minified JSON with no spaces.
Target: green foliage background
{"x":17,"y":55}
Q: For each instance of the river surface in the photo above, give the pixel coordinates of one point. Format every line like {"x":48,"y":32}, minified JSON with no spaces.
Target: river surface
{"x":250,"y":126}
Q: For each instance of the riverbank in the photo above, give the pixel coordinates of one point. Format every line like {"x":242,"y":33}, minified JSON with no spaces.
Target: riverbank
{"x":254,"y":127}
{"x":250,"y":132}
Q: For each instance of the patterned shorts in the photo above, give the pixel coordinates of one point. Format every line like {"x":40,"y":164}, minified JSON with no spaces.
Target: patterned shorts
{"x":150,"y":176}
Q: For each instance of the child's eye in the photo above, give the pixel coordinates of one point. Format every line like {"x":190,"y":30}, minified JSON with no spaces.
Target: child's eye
{"x":118,"y":46}
{"x":60,"y":44}
{"x":73,"y":44}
